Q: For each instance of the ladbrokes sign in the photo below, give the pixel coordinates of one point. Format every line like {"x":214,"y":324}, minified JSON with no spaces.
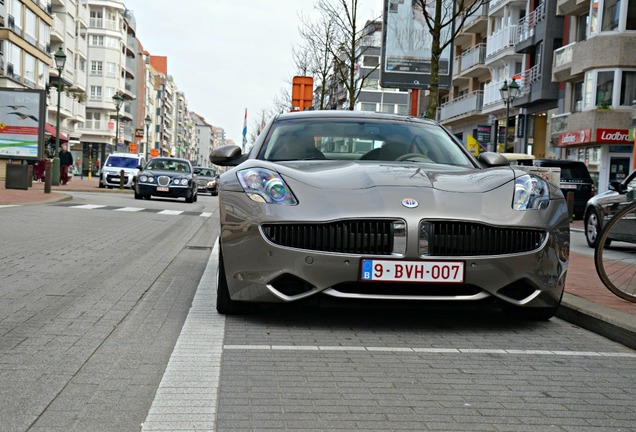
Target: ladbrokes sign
{"x":613,"y":136}
{"x":575,"y":137}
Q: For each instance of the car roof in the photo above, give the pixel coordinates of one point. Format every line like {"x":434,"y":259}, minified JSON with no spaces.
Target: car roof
{"x":369,"y":115}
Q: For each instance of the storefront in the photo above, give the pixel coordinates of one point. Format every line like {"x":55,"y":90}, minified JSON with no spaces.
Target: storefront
{"x":608,"y":153}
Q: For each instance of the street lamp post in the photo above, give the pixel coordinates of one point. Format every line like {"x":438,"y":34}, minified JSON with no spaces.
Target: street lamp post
{"x":508,"y":94}
{"x":147,"y":121}
{"x":60,"y":61}
{"x":118,"y":100}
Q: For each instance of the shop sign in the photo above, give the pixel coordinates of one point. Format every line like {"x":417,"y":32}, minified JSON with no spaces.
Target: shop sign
{"x":575,"y":137}
{"x":483,"y":134}
{"x":613,"y":136}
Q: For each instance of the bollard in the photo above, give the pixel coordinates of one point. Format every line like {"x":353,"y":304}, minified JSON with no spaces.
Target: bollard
{"x":570,"y":201}
{"x":121,"y":179}
{"x":48,"y":176}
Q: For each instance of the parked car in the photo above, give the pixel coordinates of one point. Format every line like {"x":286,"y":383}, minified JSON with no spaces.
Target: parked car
{"x":167,"y":177}
{"x":115,"y":163}
{"x":207,"y":180}
{"x":603,"y":206}
{"x":359,"y":205}
{"x":575,"y":178}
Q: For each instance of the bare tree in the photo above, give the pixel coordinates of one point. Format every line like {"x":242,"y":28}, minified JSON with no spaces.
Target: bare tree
{"x":315,"y":57}
{"x":347,"y":48}
{"x":440,"y":25}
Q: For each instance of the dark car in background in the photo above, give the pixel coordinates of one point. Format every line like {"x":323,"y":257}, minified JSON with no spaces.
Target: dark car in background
{"x":208,"y":180}
{"x":603,"y":206}
{"x":167,"y":177}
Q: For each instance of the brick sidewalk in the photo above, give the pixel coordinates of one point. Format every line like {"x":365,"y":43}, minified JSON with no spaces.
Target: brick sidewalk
{"x":582,"y":280}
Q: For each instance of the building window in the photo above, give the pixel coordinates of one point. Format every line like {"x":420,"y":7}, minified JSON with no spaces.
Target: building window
{"x":96,"y":40}
{"x":607,"y":16}
{"x":628,"y":87}
{"x":371,"y":61}
{"x":30,"y":27}
{"x":111,"y":69}
{"x":96,"y":92}
{"x":577,"y":97}
{"x":581,"y":27}
{"x":29,"y":70}
{"x":611,"y":15}
{"x":367,"y":106}
{"x":630,"y":23}
{"x":370,"y":84}
{"x":93,"y":120}
{"x":96,"y":67}
{"x":604,"y":89}
{"x":402,"y":109}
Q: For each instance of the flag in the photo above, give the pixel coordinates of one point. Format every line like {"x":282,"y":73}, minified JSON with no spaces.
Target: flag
{"x":245,"y":130}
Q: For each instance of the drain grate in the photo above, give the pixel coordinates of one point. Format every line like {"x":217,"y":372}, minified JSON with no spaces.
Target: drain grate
{"x":199,"y":247}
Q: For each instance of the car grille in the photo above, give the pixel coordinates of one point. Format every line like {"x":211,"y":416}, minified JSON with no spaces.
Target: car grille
{"x":374,"y":237}
{"x":163,"y":180}
{"x":446,"y":238}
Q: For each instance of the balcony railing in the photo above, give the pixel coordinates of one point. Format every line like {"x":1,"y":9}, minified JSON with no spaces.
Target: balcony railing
{"x":479,"y":13}
{"x":527,"y":77}
{"x":473,"y":56}
{"x":563,"y":55}
{"x":103,"y":24}
{"x":500,"y":40}
{"x":465,"y":104}
{"x":491,"y":93}
{"x":559,"y":123}
{"x":525,"y":30}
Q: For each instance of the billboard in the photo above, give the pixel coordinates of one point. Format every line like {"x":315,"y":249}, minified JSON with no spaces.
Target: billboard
{"x":406,"y":46}
{"x":22,"y":121}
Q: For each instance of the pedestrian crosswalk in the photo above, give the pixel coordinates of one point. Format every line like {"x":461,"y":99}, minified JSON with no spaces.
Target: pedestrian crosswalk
{"x":134,"y":209}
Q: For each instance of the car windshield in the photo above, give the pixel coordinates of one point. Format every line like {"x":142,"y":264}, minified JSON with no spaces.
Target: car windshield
{"x":122,"y":162}
{"x":361,"y":139}
{"x":168,"y":165}
{"x":205,"y":172}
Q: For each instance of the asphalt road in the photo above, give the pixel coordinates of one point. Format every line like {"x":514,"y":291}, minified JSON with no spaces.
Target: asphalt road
{"x":94,"y":294}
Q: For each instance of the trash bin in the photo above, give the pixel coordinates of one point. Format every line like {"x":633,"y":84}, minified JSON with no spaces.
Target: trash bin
{"x":17,"y":177}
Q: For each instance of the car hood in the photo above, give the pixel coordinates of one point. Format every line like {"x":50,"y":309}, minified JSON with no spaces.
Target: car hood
{"x":156,"y":173}
{"x":345,"y":175}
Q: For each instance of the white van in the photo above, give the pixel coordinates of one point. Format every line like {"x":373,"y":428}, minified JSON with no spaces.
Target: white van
{"x":115,"y":163}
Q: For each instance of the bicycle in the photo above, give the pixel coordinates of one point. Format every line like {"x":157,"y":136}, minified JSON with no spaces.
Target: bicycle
{"x":616,"y":266}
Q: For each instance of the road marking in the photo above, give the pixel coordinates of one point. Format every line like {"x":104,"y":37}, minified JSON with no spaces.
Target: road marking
{"x":191,"y":381}
{"x":429,"y":350}
{"x":87,"y":206}
{"x":129,"y":209}
{"x":205,"y":214}
{"x":9,"y":205}
{"x":170,"y":212}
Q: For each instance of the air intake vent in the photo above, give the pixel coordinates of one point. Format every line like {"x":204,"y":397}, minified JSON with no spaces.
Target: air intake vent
{"x":467,"y":238}
{"x":370,"y":237}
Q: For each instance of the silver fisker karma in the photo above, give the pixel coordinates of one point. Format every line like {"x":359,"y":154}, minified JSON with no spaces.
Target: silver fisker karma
{"x":369,"y":206}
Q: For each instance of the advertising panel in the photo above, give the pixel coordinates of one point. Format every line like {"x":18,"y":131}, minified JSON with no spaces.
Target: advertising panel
{"x":406,"y":46}
{"x":575,"y":137}
{"x":613,"y":136}
{"x":22,"y":122}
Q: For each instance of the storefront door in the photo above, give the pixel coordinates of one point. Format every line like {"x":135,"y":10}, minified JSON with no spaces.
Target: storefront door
{"x":619,"y":168}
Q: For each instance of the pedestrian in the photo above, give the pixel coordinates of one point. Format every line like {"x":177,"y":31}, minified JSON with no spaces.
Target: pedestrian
{"x":66,"y":160}
{"x":40,"y":166}
{"x":96,"y":166}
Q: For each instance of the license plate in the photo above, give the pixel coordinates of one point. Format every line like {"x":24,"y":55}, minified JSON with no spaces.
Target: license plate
{"x":163,"y":189}
{"x":412,"y":271}
{"x":568,"y":186}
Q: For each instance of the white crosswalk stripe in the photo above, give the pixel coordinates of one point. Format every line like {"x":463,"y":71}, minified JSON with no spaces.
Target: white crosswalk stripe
{"x":129,"y":209}
{"x":205,"y":214}
{"x":87,"y":206}
{"x":170,"y":212}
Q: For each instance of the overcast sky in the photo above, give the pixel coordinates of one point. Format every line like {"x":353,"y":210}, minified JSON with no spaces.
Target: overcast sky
{"x":227,"y":55}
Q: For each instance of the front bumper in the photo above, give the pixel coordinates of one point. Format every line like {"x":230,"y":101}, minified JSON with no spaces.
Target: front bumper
{"x":172,"y":192}
{"x":113,"y":179}
{"x":259,"y":270}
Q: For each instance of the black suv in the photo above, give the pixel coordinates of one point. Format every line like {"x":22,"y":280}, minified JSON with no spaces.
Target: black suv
{"x":574,"y":178}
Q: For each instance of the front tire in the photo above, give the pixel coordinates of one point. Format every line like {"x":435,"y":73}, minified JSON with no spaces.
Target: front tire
{"x":224,"y":303}
{"x":138,"y":196}
{"x":593,"y":228}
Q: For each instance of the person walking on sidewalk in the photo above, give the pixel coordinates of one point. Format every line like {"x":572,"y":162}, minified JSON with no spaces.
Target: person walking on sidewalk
{"x":66,"y":160}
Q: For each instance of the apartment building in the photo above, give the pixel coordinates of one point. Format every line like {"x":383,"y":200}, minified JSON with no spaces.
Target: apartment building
{"x":108,"y":51}
{"x":596,"y":70}
{"x":205,"y":139}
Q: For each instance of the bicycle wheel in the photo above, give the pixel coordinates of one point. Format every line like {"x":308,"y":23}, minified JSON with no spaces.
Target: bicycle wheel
{"x":616,"y":265}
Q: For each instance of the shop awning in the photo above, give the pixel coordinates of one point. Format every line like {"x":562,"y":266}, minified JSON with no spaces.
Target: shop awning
{"x":53,"y":132}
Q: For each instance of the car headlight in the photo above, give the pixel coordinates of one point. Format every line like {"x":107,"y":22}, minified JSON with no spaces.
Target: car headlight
{"x":143,"y":178}
{"x":531,"y":193}
{"x":211,"y":184}
{"x":266,"y":186}
{"x":181,"y":181}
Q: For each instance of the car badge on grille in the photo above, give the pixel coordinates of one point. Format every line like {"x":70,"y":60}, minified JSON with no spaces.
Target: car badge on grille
{"x":409,"y":203}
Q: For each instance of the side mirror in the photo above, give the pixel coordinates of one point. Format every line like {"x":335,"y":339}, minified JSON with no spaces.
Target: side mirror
{"x":140,"y":167}
{"x":227,"y":155}
{"x":617,"y":186}
{"x":492,"y":159}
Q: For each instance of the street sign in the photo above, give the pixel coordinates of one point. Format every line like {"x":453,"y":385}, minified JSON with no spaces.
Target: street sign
{"x":154,"y":152}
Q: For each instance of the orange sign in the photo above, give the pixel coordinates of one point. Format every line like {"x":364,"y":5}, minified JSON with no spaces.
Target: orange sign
{"x":154,"y":152}
{"x":132,"y":147}
{"x":302,"y":92}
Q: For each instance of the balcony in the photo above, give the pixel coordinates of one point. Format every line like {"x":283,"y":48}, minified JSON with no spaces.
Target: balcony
{"x":572,"y":7}
{"x":58,"y":30}
{"x":562,"y":63}
{"x":473,"y":62}
{"x":501,"y":40}
{"x":492,"y":96}
{"x":591,"y":119}
{"x":101,"y":23}
{"x":528,"y":24}
{"x":470,"y":103}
